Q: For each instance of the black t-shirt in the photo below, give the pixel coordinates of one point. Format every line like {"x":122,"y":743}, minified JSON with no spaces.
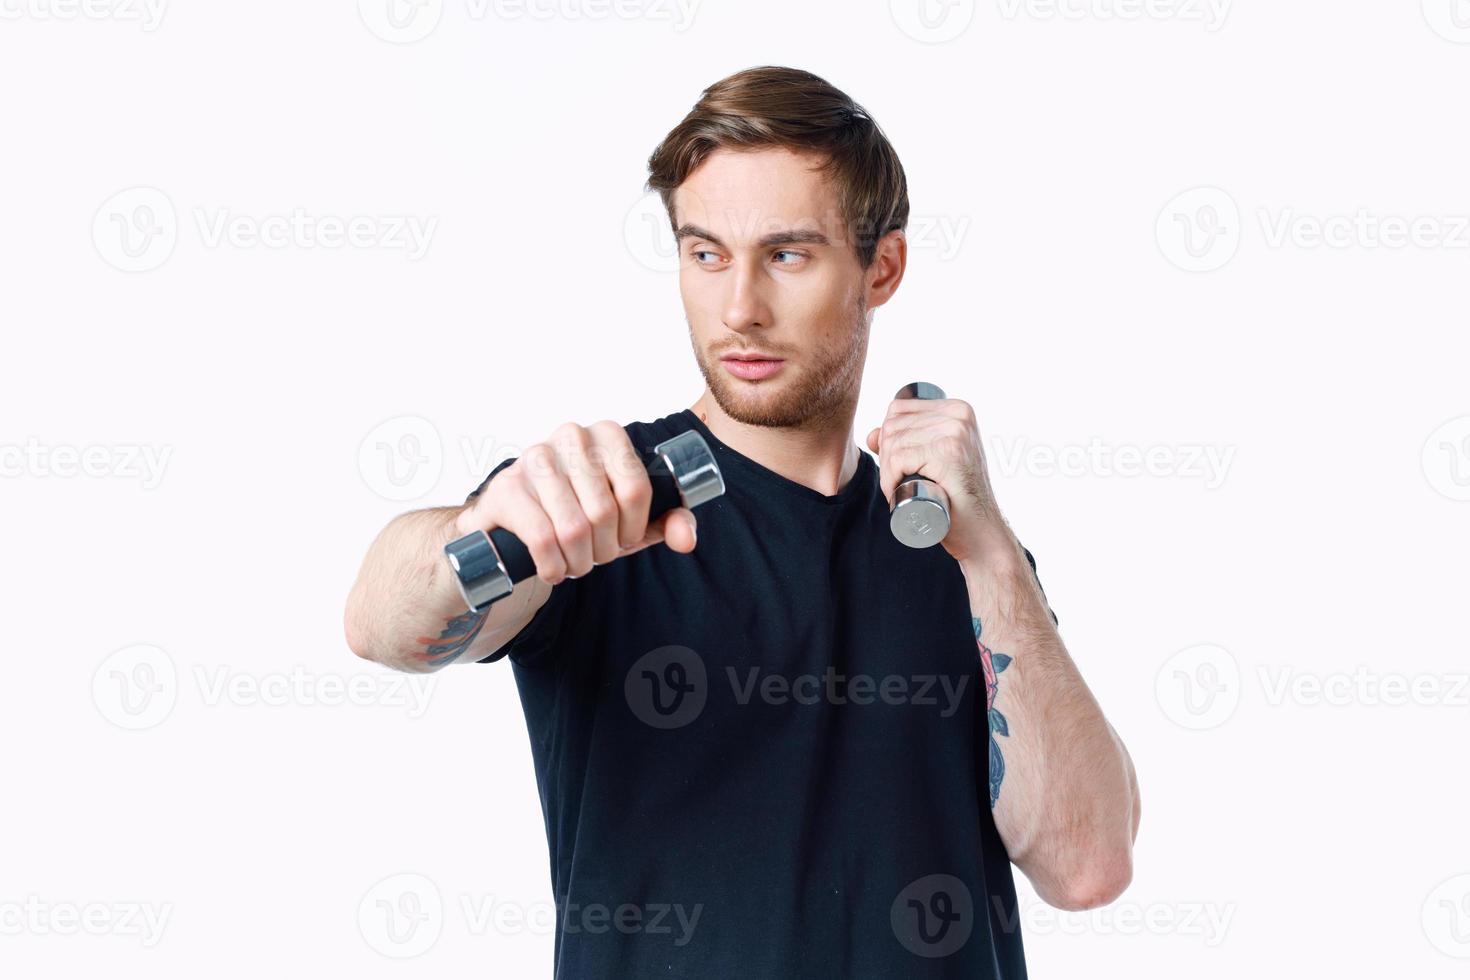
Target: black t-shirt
{"x":766,"y":759}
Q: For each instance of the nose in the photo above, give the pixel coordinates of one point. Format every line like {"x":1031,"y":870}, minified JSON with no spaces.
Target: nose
{"x":745,"y":304}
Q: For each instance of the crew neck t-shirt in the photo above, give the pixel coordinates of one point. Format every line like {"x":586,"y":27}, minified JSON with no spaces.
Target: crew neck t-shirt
{"x":765,"y":759}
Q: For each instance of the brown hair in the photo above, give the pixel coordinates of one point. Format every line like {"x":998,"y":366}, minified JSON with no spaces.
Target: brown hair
{"x":787,"y":107}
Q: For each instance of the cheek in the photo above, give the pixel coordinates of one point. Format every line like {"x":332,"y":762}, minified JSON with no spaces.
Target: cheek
{"x":702,"y":296}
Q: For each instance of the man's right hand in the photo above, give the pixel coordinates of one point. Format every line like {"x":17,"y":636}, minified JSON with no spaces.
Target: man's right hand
{"x":579,"y":499}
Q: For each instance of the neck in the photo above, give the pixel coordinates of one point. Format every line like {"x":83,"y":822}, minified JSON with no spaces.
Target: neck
{"x":823,"y":458}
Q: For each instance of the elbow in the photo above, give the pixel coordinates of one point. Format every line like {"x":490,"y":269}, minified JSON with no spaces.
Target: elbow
{"x":1093,"y":884}
{"x":352,"y":632}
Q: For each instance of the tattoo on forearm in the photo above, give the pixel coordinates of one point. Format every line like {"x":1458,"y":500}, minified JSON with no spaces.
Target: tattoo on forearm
{"x":455,"y":639}
{"x":993,"y":664}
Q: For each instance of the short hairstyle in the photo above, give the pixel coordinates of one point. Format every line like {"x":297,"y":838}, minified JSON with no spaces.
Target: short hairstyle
{"x":786,"y":107}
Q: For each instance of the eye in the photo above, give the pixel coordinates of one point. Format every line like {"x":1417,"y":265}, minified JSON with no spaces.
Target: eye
{"x":698,"y":252}
{"x":797,"y":256}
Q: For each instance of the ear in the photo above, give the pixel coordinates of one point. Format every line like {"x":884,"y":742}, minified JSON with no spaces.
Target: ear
{"x":889,"y":262}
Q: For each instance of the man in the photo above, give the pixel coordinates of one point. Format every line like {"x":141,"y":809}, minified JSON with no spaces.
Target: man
{"x":768,"y":756}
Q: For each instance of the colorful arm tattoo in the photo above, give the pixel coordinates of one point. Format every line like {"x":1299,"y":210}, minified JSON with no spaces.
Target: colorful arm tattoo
{"x":993,"y":664}
{"x":456,"y":638}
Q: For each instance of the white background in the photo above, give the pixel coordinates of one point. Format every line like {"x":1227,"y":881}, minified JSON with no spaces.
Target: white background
{"x":295,"y":397}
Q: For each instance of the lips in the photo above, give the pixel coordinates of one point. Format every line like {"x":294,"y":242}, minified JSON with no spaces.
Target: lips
{"x":751,"y":368}
{"x":750,"y":356}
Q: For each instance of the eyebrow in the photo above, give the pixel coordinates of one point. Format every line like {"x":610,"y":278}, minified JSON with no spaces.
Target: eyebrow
{"x":792,"y":237}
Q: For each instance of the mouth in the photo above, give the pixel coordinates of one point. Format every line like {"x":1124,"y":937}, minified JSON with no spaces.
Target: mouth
{"x":751,"y":365}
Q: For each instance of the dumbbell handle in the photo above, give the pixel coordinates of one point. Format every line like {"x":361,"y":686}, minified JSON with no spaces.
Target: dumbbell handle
{"x":487,"y":566}
{"x":920,"y":516}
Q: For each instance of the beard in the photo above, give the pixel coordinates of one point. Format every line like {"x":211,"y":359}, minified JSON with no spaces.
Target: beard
{"x":817,"y":393}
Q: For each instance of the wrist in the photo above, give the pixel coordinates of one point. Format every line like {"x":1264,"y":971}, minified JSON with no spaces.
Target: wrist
{"x":996,"y":554}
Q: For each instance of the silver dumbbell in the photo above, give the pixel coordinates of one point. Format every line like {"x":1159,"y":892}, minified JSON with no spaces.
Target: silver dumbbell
{"x":920,"y":516}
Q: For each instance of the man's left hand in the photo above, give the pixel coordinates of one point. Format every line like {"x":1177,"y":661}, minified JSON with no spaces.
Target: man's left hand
{"x":939,"y":439}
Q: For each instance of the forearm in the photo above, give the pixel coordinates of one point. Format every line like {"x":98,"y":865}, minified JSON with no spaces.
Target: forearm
{"x":1062,"y":788}
{"x":405,"y":610}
